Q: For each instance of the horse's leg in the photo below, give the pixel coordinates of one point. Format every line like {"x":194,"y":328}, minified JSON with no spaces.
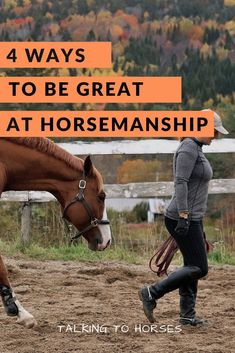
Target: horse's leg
{"x":11,"y":304}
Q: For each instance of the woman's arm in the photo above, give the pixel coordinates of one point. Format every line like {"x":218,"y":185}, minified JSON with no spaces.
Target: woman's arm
{"x":185,"y":162}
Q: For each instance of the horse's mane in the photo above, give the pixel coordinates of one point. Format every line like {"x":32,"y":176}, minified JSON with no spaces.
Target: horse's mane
{"x":47,"y":146}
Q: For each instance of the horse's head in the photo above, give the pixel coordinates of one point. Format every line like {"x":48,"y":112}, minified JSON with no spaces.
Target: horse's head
{"x":85,"y":208}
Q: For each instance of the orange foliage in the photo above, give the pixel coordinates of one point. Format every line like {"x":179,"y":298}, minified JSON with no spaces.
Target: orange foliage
{"x":116,"y":31}
{"x":196,"y":33}
{"x":131,"y":20}
{"x":54,"y":28}
{"x":119,"y":13}
{"x":137,"y":171}
{"x":18,"y":10}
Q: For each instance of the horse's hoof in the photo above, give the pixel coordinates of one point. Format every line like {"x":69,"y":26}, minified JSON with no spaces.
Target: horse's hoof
{"x":28,"y":322}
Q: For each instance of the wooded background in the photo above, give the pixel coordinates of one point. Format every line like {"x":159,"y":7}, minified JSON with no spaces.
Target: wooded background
{"x":193,"y":39}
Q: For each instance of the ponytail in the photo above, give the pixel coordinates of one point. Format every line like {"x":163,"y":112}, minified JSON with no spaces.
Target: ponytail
{"x":181,"y":138}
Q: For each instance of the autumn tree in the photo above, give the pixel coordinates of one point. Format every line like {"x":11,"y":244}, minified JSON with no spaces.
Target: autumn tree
{"x":138,"y":171}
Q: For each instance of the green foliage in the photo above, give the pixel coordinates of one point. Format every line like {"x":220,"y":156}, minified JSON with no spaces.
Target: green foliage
{"x":221,"y":255}
{"x":133,"y":240}
{"x":79,"y":253}
{"x":211,"y":35}
{"x":223,"y":165}
{"x":137,"y":215}
{"x":131,"y":244}
{"x":141,"y":211}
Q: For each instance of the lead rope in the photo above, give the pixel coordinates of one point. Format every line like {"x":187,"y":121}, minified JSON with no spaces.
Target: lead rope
{"x":164,"y":255}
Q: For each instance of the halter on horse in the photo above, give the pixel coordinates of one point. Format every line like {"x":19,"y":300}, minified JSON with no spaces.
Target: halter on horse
{"x":94,"y":222}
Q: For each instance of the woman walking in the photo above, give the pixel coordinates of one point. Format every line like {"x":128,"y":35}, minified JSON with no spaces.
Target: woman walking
{"x":184,"y":221}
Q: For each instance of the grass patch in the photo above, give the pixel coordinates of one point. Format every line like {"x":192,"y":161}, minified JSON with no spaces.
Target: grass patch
{"x":220,"y":255}
{"x":81,"y":253}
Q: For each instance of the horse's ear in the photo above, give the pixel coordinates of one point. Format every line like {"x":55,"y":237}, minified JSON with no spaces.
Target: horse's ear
{"x":88,"y":166}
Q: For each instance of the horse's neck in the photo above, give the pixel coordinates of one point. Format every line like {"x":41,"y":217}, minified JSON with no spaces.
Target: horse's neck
{"x":39,"y":172}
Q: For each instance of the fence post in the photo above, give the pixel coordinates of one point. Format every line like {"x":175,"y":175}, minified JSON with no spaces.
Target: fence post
{"x":25,"y":223}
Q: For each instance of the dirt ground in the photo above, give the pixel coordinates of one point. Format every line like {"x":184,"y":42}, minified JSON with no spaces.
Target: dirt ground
{"x":78,"y":297}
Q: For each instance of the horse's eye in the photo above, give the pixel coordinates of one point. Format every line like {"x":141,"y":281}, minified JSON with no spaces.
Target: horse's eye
{"x":101,"y":197}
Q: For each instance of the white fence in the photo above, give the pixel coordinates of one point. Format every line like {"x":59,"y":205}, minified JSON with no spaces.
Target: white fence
{"x":146,"y":146}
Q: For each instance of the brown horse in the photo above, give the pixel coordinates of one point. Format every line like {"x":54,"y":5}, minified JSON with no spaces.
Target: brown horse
{"x":39,"y":164}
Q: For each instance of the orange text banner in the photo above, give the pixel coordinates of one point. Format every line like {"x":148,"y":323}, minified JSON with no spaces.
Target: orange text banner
{"x":129,"y":124}
{"x":90,"y":89}
{"x":56,"y":54}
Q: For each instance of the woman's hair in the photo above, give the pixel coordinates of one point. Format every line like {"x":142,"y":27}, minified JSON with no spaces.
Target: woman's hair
{"x":181,"y":138}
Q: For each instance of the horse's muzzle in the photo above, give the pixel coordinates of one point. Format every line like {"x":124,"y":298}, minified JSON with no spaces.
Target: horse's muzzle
{"x":103,"y":246}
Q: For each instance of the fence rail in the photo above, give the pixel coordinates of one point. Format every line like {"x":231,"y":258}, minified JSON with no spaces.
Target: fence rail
{"x":131,"y":190}
{"x":144,"y":146}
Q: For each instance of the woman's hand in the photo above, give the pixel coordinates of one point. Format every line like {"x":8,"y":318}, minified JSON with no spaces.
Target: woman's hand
{"x":182,"y":226}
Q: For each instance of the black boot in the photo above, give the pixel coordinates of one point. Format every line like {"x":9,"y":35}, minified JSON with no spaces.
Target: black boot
{"x":8,"y":301}
{"x":148,"y":295}
{"x":188,"y":294}
{"x":149,"y":303}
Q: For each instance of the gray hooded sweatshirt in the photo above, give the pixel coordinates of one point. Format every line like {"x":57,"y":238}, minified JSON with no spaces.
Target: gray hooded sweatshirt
{"x":192,"y":173}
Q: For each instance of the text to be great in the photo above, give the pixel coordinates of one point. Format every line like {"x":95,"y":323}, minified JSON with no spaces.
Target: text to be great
{"x":83,"y":88}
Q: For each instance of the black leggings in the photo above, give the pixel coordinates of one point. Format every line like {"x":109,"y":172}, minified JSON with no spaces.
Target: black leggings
{"x":192,"y":245}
